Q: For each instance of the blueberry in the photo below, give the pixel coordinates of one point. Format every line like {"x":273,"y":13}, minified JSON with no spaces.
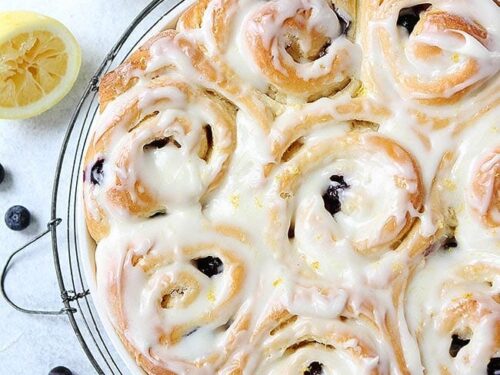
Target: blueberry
{"x":96,"y":173}
{"x":331,"y":198}
{"x":450,"y":242}
{"x":17,"y":218}
{"x":60,"y":370}
{"x":339,"y":180}
{"x":494,"y":366}
{"x":314,"y":368}
{"x":456,"y":344}
{"x":408,"y":21}
{"x":210,"y":266}
{"x":2,"y":173}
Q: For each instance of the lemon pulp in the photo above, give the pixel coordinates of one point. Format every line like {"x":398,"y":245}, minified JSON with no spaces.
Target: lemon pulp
{"x":31,"y":67}
{"x":39,"y":62}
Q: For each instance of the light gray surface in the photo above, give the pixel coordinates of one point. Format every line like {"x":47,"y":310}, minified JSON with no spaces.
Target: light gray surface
{"x":29,"y":151}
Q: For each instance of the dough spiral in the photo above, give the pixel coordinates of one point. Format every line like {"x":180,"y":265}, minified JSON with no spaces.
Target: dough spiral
{"x":314,"y":345}
{"x":456,"y":319}
{"x":167,"y":125}
{"x":381,"y":228}
{"x":294,"y":51}
{"x":168,"y":290}
{"x":435,"y":52}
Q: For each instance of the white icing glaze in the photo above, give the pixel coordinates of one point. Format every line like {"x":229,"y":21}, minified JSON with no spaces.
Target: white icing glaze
{"x":342,"y":275}
{"x":440,"y":287}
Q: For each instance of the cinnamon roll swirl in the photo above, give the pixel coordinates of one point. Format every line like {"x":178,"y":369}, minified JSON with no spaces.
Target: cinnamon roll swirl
{"x":301,"y":47}
{"x":302,"y":345}
{"x":166,"y":291}
{"x":292,"y":50}
{"x":434,"y":52}
{"x":330,"y":197}
{"x":453,"y":312}
{"x":160,"y":147}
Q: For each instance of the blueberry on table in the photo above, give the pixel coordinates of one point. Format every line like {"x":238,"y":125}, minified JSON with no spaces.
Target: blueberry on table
{"x":60,"y":370}
{"x":17,"y":218}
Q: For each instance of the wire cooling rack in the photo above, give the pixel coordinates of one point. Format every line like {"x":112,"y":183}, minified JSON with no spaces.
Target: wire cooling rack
{"x":76,"y":298}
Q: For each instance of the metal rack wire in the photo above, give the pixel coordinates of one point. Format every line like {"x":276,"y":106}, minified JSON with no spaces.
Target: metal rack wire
{"x":76,"y":298}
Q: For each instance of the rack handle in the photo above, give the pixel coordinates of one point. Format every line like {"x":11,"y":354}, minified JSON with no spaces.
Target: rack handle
{"x":50,"y":226}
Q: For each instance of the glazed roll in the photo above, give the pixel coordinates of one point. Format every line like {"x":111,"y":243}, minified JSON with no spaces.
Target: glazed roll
{"x":158,"y":148}
{"x":296,"y":50}
{"x":178,"y":303}
{"x":329,"y":207}
{"x":452,"y":310}
{"x":292,"y":344}
{"x":433,"y":52}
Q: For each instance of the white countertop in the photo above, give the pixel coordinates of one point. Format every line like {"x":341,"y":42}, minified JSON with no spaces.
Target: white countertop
{"x":29,"y":151}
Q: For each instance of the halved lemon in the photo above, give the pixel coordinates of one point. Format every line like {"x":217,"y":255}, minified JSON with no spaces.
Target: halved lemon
{"x":39,"y":63}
